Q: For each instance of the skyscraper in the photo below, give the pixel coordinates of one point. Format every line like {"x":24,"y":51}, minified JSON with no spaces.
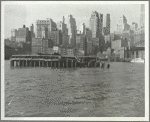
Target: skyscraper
{"x":122,"y":25}
{"x":106,"y":25}
{"x":82,"y":28}
{"x":142,"y":15}
{"x":100,"y":23}
{"x":94,"y":24}
{"x":72,"y":29}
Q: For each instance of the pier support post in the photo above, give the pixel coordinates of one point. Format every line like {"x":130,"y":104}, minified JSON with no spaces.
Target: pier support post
{"x":19,"y":63}
{"x":63,"y":64}
{"x":34,"y":63}
{"x":72,"y":64}
{"x":26,"y":63}
{"x":39,"y":64}
{"x":11,"y":63}
{"x":51,"y":64}
{"x":30,"y":63}
{"x":55,"y":64}
{"x":75,"y":64}
{"x":42,"y":63}
{"x":46,"y":63}
{"x":16,"y":63}
{"x":67,"y":63}
{"x":58,"y":64}
{"x":23,"y":62}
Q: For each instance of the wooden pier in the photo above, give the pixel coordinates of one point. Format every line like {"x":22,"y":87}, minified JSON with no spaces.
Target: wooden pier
{"x":54,"y":61}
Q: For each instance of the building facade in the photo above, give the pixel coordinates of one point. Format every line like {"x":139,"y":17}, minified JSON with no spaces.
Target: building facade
{"x":42,"y":45}
{"x":106,"y":25}
{"x":42,"y":25}
{"x":13,"y":34}
{"x":56,"y":37}
{"x":23,"y":35}
{"x":94,"y":24}
{"x":72,"y":29}
{"x":122,"y":25}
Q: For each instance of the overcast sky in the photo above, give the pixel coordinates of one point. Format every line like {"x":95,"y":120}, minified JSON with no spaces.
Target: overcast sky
{"x":16,"y":15}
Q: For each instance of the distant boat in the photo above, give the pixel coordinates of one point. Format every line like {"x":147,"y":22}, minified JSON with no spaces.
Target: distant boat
{"x":138,"y":60}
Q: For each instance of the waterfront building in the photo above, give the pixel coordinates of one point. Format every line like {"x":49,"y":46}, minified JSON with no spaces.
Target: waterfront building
{"x":23,"y":35}
{"x":106,"y":25}
{"x":56,"y":37}
{"x":56,"y":49}
{"x":119,"y":46}
{"x":41,"y":25}
{"x":63,"y":50}
{"x":42,"y":45}
{"x":72,"y":29}
{"x":70,"y":51}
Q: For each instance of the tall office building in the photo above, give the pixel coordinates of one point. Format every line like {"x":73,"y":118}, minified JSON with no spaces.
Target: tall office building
{"x":106,"y":25}
{"x":62,"y":26}
{"x":100,"y":23}
{"x":122,"y":25}
{"x":41,"y":25}
{"x":142,"y":15}
{"x":64,"y":31}
{"x":32,"y":30}
{"x":72,"y":29}
{"x":82,"y":28}
{"x":94,"y":24}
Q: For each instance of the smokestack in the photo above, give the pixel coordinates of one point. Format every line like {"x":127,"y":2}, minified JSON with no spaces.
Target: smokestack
{"x":24,"y":26}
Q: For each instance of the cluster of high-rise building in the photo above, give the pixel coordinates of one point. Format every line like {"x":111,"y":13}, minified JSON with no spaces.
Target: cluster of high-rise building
{"x":63,"y":37}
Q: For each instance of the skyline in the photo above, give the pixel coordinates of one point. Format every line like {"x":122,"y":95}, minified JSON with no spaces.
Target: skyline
{"x":28,"y":14}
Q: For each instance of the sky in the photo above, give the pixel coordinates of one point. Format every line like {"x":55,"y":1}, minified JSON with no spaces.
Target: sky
{"x":17,"y":15}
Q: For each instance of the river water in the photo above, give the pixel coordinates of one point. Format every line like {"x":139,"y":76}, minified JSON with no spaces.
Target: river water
{"x":82,"y":92}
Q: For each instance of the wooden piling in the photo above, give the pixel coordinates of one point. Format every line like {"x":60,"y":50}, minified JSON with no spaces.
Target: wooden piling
{"x":26,"y":63}
{"x":72,"y":64}
{"x":63,"y":64}
{"x":34,"y":63}
{"x":75,"y":64}
{"x":46,"y":63}
{"x":39,"y":64}
{"x":58,"y":64}
{"x":67,"y":63}
{"x":42,"y":63}
{"x":55,"y":64}
{"x":51,"y":64}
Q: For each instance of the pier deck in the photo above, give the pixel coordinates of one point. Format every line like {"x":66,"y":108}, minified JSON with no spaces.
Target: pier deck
{"x":55,"y":61}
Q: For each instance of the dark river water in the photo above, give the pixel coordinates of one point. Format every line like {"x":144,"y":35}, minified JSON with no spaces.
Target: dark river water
{"x":82,"y":92}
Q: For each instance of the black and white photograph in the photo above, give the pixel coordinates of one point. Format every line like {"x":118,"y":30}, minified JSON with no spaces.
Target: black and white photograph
{"x":75,"y":60}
